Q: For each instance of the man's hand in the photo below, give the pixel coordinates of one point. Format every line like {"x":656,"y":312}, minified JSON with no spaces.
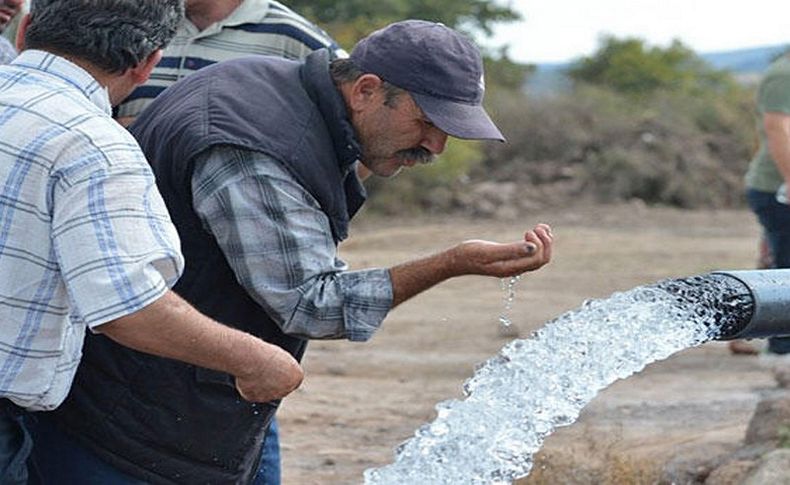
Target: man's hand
{"x":503,"y":260}
{"x":472,"y":257}
{"x":276,"y":377}
{"x":171,"y":327}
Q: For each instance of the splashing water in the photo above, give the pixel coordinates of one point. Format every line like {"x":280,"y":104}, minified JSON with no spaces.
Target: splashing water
{"x":509,"y":287}
{"x":517,"y":398}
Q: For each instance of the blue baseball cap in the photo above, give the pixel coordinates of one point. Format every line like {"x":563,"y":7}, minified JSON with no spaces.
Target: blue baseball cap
{"x":439,"y":67}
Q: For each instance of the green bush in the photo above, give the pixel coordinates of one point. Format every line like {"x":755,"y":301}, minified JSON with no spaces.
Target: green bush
{"x":676,"y":148}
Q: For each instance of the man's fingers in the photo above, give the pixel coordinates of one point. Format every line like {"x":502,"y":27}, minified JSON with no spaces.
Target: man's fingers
{"x":543,"y":231}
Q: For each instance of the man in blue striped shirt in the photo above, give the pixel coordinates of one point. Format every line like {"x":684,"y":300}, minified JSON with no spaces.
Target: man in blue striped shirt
{"x":85,"y":238}
{"x":214,"y":31}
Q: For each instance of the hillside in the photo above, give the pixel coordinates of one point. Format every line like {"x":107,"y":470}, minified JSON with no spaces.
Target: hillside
{"x":745,"y":64}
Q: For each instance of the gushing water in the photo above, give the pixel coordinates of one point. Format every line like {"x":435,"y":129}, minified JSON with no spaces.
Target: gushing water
{"x":517,"y":398}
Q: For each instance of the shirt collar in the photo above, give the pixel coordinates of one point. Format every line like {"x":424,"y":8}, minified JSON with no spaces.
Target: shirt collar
{"x":67,"y":72}
{"x":250,"y":11}
{"x":320,"y":87}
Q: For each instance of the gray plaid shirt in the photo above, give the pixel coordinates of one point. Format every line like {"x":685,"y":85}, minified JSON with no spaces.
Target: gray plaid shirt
{"x":279,"y":244}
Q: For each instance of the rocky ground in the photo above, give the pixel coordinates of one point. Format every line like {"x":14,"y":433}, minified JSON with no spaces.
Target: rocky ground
{"x":679,"y":420}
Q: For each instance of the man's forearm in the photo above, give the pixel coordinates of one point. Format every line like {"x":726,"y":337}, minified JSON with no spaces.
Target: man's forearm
{"x":414,"y":277}
{"x":172,"y":328}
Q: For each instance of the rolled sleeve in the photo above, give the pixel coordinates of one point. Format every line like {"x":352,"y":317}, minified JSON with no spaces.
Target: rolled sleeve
{"x":368,"y":300}
{"x":279,"y":244}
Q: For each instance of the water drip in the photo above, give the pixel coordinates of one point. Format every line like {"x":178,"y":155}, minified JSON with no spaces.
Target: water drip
{"x":509,"y":287}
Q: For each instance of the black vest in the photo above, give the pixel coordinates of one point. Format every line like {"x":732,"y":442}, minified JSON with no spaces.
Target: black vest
{"x":169,"y":422}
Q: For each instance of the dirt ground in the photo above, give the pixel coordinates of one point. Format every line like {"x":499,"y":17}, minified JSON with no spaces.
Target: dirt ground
{"x":359,"y":401}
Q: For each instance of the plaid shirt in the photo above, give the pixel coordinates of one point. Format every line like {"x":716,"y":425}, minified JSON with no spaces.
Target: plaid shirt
{"x":7,"y":51}
{"x":279,"y":244}
{"x":85,"y":237}
{"x":256,"y":27}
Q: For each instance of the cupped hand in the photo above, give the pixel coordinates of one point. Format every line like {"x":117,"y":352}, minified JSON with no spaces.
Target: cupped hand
{"x":506,"y":259}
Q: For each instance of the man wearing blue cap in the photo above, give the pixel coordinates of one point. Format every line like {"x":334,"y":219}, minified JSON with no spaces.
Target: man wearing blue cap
{"x":256,"y":161}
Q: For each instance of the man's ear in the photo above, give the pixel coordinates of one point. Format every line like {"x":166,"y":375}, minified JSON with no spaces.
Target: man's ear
{"x":141,"y":72}
{"x":364,"y":91}
{"x":20,"y":33}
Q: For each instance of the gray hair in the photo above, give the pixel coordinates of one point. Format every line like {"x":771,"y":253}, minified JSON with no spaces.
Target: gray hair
{"x":113,"y":35}
{"x":345,"y":71}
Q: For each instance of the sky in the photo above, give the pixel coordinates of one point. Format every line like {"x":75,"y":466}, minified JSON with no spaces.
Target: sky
{"x":563,"y":30}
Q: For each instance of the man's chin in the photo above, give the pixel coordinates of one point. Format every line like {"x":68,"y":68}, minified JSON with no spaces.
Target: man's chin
{"x":386,"y":169}
{"x":388,"y":174}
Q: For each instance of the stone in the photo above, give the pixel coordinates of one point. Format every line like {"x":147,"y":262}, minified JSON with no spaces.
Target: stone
{"x":731,"y":473}
{"x":692,"y":464}
{"x":782,"y":377}
{"x":770,"y":420}
{"x":773,"y":469}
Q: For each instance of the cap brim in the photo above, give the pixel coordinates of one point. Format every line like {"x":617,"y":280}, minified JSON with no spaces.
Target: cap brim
{"x":465,"y":121}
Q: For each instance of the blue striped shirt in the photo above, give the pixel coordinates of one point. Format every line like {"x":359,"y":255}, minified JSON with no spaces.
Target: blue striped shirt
{"x":277,"y":239}
{"x":260,"y":27}
{"x":85,"y":237}
{"x":7,"y":51}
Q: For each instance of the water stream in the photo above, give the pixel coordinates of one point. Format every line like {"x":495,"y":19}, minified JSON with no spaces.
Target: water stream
{"x":517,"y":398}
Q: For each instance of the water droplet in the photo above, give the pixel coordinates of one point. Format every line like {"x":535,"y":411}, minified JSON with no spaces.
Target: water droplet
{"x":508,"y":285}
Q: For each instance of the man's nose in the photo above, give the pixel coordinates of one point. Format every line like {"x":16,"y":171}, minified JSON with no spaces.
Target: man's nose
{"x":434,"y":140}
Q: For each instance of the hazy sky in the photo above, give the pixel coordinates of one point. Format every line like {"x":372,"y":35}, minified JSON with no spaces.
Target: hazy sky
{"x":560,"y":30}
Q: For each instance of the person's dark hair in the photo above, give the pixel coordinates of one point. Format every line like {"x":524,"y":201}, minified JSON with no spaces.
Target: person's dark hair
{"x":113,"y":35}
{"x":345,"y":71}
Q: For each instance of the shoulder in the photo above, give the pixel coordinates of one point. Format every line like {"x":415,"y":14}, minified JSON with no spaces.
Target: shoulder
{"x":98,"y":144}
{"x":281,"y":21}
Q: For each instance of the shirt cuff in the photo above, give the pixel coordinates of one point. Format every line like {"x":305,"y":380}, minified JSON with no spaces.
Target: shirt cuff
{"x":367,"y":300}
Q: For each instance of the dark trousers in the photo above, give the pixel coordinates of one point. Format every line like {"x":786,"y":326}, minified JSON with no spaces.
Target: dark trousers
{"x":15,"y":444}
{"x":58,"y":459}
{"x":269,"y":470}
{"x":775,"y":219}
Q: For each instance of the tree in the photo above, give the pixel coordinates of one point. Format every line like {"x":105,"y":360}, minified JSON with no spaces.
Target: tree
{"x":629,"y":66}
{"x":350,"y":20}
{"x":503,"y":72}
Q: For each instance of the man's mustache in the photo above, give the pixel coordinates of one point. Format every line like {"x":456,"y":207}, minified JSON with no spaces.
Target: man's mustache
{"x":418,"y":154}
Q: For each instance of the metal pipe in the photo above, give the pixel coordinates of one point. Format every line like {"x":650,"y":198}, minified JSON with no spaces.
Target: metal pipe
{"x":770,"y":290}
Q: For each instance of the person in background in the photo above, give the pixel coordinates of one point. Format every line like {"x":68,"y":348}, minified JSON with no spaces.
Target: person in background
{"x":262,"y":192}
{"x":9,"y":9}
{"x":770,"y":169}
{"x":220,"y":30}
{"x":86,"y":239}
